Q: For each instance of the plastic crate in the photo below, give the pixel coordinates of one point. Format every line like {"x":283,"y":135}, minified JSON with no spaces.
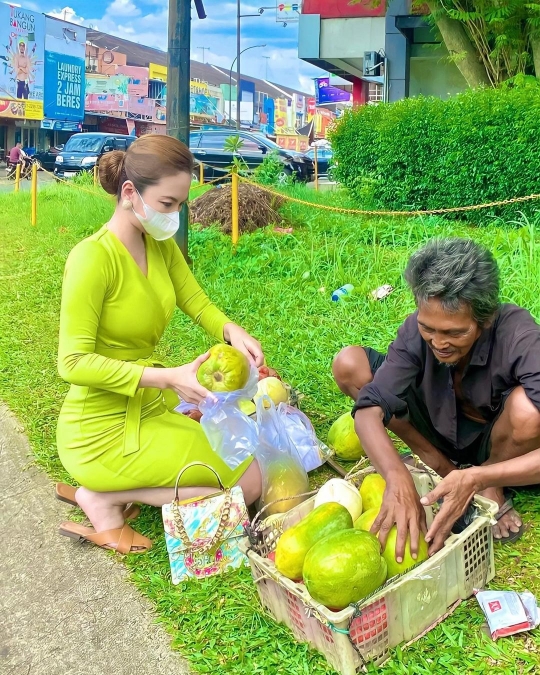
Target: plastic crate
{"x":400,"y":611}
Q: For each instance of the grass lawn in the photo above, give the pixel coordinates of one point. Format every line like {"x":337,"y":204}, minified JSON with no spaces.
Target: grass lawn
{"x":278,"y":287}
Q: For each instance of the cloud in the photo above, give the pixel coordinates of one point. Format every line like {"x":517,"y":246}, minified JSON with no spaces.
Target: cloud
{"x":67,"y":14}
{"x":123,"y":8}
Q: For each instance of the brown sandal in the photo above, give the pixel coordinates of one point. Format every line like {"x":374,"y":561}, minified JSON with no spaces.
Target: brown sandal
{"x":66,"y":493}
{"x":125,"y":538}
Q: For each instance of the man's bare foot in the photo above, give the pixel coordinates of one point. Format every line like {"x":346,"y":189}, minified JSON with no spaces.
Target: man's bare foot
{"x":510,"y":522}
{"x":102,"y":513}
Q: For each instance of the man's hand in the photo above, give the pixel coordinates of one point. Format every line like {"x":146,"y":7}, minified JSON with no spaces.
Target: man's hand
{"x":401,"y":507}
{"x":457,"y":490}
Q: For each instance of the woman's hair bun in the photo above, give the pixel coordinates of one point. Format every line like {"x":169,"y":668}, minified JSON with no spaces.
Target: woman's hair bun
{"x":111,"y":167}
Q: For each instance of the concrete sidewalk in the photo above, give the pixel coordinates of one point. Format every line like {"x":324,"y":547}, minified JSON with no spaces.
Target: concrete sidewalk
{"x":65,"y":609}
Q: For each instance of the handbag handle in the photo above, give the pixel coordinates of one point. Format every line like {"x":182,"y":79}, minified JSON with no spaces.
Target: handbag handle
{"x":188,"y":466}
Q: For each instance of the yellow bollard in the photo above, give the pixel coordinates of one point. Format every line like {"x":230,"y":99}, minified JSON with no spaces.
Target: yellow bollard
{"x":234,"y":208}
{"x":17,"y":177}
{"x":316,"y":162}
{"x":201,"y":173}
{"x":34,"y":191}
{"x":96,"y":174}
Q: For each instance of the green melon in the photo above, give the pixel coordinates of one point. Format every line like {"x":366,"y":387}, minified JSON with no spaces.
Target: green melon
{"x":344,"y":568}
{"x":294,"y":543}
{"x":343,"y":440}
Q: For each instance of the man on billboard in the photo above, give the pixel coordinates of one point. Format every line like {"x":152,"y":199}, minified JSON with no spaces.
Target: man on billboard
{"x":21,"y":66}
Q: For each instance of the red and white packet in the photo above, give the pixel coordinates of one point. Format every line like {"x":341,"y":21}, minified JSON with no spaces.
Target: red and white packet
{"x":508,"y":612}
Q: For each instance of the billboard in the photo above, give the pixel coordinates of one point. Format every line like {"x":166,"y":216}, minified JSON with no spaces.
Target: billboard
{"x":137,"y":79}
{"x":340,"y":9}
{"x":325,"y":93}
{"x":22,"y":42}
{"x":65,"y":45}
{"x":107,"y":84}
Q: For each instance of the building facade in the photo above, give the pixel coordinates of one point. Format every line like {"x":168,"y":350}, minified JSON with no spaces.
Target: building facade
{"x":388,"y":52}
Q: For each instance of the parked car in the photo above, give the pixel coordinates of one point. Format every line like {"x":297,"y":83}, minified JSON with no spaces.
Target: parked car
{"x":83,"y":151}
{"x":324,"y":159}
{"x":208,"y":148}
{"x":45,"y":159}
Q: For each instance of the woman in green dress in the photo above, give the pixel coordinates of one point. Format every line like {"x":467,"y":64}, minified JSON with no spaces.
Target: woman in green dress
{"x":118,"y":435}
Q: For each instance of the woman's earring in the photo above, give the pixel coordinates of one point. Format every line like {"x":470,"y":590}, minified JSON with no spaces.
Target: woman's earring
{"x":126,"y":205}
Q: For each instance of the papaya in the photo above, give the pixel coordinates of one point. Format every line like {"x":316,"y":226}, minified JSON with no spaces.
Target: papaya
{"x":365,"y":522}
{"x":344,"y":568}
{"x":294,"y":543}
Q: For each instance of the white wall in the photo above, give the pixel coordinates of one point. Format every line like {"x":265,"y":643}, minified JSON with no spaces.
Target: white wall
{"x":350,"y":38}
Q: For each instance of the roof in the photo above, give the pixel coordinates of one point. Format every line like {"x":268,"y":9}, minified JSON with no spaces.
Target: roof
{"x":141,"y":55}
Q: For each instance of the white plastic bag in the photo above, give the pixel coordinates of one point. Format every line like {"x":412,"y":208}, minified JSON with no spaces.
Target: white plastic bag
{"x":312,"y":452}
{"x":283,"y":475}
{"x":231,"y":433}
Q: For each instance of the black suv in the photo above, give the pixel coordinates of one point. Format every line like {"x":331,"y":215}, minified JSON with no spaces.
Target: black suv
{"x":82,"y":152}
{"x":208,"y":148}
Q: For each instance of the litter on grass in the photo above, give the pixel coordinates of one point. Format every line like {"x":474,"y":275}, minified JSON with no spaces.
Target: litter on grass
{"x":508,"y":612}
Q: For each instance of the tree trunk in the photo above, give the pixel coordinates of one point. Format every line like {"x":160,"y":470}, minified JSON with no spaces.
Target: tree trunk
{"x":457,"y":41}
{"x":535,"y":48}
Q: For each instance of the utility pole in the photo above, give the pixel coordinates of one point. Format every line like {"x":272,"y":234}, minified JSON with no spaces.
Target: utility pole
{"x":178,"y":91}
{"x":238,"y":52}
{"x":204,"y":49}
{"x":266,"y":58}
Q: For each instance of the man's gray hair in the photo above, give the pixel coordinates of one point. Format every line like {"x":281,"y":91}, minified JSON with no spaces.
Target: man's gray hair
{"x":456,"y":272}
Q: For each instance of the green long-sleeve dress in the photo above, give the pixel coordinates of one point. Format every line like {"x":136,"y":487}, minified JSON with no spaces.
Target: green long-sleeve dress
{"x":111,"y":434}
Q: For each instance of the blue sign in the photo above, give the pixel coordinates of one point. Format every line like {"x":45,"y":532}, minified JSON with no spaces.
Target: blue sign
{"x":64,"y":87}
{"x":325,"y":93}
{"x":59,"y":125}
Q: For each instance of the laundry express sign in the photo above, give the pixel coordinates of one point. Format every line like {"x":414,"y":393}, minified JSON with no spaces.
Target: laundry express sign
{"x":64,"y":87}
{"x":64,"y":71}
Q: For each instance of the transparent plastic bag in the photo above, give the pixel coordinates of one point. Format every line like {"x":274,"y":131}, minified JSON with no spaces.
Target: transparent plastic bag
{"x":231,"y":433}
{"x":283,"y":476}
{"x":313,"y":453}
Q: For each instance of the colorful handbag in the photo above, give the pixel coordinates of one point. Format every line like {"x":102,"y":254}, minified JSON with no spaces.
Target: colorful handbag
{"x":202,"y":534}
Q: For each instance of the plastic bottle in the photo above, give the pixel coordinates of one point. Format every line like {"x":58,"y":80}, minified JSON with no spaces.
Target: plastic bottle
{"x":342,"y":292}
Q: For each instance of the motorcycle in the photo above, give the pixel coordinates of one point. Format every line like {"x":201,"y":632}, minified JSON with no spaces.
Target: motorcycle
{"x":26,"y":169}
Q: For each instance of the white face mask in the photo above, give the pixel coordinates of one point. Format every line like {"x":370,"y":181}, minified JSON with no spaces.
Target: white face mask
{"x":159,"y":226}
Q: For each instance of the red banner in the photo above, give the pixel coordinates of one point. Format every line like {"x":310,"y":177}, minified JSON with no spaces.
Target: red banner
{"x":336,"y":9}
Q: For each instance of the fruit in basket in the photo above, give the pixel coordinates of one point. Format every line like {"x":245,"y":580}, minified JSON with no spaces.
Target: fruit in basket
{"x":294,"y":543}
{"x":365,"y":522}
{"x":226,"y":369}
{"x":372,"y":491}
{"x":343,"y":440}
{"x":389,"y":554}
{"x":342,"y":492}
{"x":343,"y":568}
{"x":274,"y":389}
{"x":283,"y":477}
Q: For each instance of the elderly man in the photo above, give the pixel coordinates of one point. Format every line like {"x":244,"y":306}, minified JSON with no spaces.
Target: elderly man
{"x":460,"y":385}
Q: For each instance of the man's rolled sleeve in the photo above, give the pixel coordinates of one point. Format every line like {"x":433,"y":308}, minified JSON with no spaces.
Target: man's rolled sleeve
{"x":397,"y":373}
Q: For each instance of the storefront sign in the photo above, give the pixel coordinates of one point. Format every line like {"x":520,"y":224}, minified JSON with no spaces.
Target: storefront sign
{"x":113,"y":126}
{"x":107,"y":84}
{"x":137,"y":79}
{"x":325,"y":93}
{"x":287,"y":11}
{"x":336,"y":9}
{"x":64,"y":87}
{"x":30,"y":110}
{"x":293,"y":142}
{"x":58,"y":125}
{"x":22,"y":41}
{"x":157,"y":72}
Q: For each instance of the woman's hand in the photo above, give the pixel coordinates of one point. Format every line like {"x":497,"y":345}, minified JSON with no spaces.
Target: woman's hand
{"x":242,"y":340}
{"x":183,"y":380}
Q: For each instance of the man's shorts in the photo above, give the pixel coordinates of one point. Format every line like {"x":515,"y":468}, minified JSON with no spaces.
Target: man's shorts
{"x":476,"y":453}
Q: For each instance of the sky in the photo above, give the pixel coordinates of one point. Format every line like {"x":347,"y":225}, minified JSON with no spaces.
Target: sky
{"x":145,"y":21}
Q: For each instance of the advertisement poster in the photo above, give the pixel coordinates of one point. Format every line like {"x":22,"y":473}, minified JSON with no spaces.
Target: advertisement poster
{"x":107,"y":84}
{"x":22,"y":46}
{"x":64,"y":87}
{"x":325,"y":93}
{"x":137,"y":79}
{"x":65,"y":46}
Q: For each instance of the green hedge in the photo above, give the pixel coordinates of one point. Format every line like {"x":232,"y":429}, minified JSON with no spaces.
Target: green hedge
{"x":425,"y":153}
